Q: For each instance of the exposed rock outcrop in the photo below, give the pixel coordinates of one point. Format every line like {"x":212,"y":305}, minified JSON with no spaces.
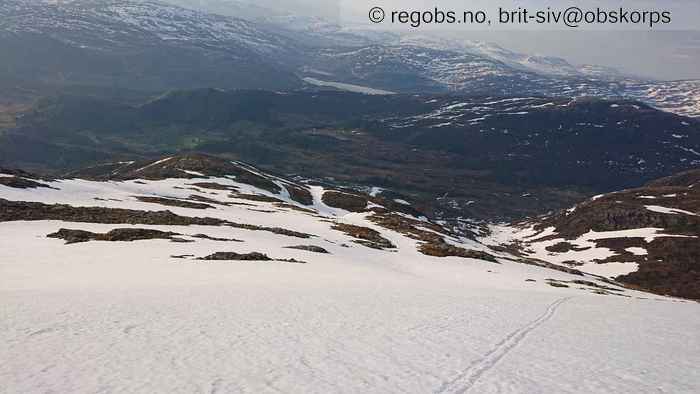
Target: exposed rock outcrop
{"x":116,"y":235}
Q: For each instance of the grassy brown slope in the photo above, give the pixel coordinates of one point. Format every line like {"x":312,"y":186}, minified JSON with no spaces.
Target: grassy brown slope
{"x":672,"y":265}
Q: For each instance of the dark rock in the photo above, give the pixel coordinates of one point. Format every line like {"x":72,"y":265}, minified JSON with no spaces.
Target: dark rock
{"x":252,"y":256}
{"x":208,"y":201}
{"x":295,"y":208}
{"x":204,"y":236}
{"x":555,"y":283}
{"x":563,"y":247}
{"x":346,"y":201}
{"x":672,"y":264}
{"x":116,"y":235}
{"x":233,"y":256}
{"x":181,"y":240}
{"x":309,"y":248}
{"x":443,"y":249}
{"x":365,"y":236}
{"x":19,"y":210}
{"x":432,"y":237}
{"x":683,"y":179}
{"x":182,"y":256}
{"x":171,"y":202}
{"x":274,"y":230}
{"x":21,"y":183}
{"x":300,"y":194}
{"x":215,"y":186}
{"x":256,"y":197}
{"x":176,"y":167}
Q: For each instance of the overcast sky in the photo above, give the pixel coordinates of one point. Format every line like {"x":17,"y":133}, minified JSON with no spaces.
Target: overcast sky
{"x":668,"y":52}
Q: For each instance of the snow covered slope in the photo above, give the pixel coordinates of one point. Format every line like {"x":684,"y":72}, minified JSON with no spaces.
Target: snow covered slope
{"x":545,"y":65}
{"x":123,"y":17}
{"x":419,"y":67}
{"x":253,"y":283}
{"x":645,"y":237}
{"x":679,"y":97}
{"x":408,"y":67}
{"x":138,"y":44}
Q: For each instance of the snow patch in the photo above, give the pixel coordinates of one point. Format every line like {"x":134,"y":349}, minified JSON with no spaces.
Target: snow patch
{"x":670,"y":211}
{"x":347,"y":87}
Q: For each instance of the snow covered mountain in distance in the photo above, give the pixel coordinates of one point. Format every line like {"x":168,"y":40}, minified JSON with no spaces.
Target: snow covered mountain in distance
{"x":680,"y":97}
{"x":434,"y":64}
{"x":145,"y":45}
{"x":192,"y":273}
{"x":152,"y":45}
{"x":546,"y":65}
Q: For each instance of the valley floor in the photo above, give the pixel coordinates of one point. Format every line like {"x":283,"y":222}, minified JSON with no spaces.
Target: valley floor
{"x":120,"y":318}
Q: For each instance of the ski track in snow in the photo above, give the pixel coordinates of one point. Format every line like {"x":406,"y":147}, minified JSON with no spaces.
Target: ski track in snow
{"x":125,"y":317}
{"x":465,"y":380}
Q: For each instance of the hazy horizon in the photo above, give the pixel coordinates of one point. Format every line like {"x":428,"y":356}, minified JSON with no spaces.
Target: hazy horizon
{"x":658,"y":54}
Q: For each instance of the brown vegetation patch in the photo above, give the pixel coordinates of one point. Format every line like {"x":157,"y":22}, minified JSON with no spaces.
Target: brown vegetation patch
{"x":294,"y":208}
{"x":672,"y":267}
{"x":365,"y":236}
{"x":433,"y":242}
{"x":21,"y":183}
{"x":262,"y":210}
{"x":256,"y":197}
{"x":443,"y":249}
{"x":274,"y":230}
{"x":517,"y":251}
{"x":593,"y":284}
{"x":214,"y":186}
{"x":309,"y":248}
{"x":19,"y":210}
{"x":626,"y":210}
{"x":594,"y":287}
{"x":171,"y":202}
{"x":207,"y":200}
{"x":300,"y":194}
{"x":555,"y":283}
{"x":413,"y":228}
{"x":683,"y":179}
{"x":563,"y":247}
{"x":346,"y":201}
{"x":672,"y":264}
{"x":175,"y":167}
{"x":181,"y":256}
{"x":252,"y":256}
{"x":207,"y":237}
{"x":116,"y":235}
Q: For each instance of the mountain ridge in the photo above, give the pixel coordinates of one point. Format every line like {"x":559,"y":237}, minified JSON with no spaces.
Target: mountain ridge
{"x":645,"y":236}
{"x":155,"y":46}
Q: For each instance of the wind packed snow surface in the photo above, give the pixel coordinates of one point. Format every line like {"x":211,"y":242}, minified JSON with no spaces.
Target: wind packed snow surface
{"x":126,"y":317}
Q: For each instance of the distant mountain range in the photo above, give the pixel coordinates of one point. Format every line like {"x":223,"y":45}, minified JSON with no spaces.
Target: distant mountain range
{"x":149,"y":45}
{"x":137,"y":44}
